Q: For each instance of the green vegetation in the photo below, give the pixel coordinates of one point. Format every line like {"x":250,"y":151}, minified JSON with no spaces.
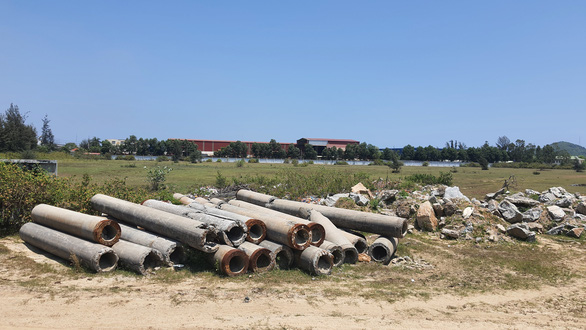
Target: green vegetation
{"x":427,"y":179}
{"x":571,"y":148}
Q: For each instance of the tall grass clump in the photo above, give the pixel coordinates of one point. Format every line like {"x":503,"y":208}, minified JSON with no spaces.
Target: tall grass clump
{"x":429,"y":179}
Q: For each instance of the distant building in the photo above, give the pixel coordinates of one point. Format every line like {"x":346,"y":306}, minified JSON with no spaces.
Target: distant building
{"x":208,"y":147}
{"x":320,"y":144}
{"x":115,"y":142}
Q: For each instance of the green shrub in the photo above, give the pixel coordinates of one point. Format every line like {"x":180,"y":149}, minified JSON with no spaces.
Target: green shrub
{"x":221,"y":181}
{"x":377,"y":162}
{"x":240,"y":163}
{"x":162,"y":159}
{"x":253,"y":161}
{"x":125,"y":157}
{"x":430,"y":179}
{"x":309,"y":162}
{"x":295,"y":162}
{"x":218,"y":160}
{"x":156,"y":176}
{"x":286,"y":161}
{"x":209,"y":160}
{"x":425,"y":164}
{"x":341,"y":162}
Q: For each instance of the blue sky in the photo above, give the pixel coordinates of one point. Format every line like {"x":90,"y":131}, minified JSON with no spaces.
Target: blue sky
{"x":389,"y":73}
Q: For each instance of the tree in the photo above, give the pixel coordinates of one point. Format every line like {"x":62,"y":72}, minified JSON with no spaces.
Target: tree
{"x":548,"y":154}
{"x":579,"y":165}
{"x":47,"y":137}
{"x":408,"y":152}
{"x":15,"y":135}
{"x":503,"y":142}
{"x":309,"y":153}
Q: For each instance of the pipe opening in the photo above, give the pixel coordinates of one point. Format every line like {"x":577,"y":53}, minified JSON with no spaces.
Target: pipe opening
{"x":282,"y":259}
{"x":324,"y":264}
{"x":235,"y":234}
{"x":301,"y":237}
{"x":237,"y":264}
{"x":109,"y":233}
{"x":263,"y":261}
{"x":211,"y":237}
{"x":379,"y":253}
{"x":255,"y":232}
{"x":316,"y":236}
{"x":350,"y":256}
{"x":108,"y":261}
{"x":151,"y":261}
{"x":361,"y":246}
{"x":338,"y":256}
{"x":178,"y":255}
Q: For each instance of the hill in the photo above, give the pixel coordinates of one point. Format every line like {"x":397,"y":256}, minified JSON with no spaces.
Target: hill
{"x":573,"y":149}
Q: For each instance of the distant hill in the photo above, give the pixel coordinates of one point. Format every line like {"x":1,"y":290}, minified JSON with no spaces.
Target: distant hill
{"x":573,"y":149}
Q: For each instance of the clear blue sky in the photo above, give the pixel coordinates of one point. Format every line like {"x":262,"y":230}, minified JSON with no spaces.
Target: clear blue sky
{"x":389,"y":73}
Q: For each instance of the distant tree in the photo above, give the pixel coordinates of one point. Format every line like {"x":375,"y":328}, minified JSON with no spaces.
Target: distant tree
{"x":326,"y":154}
{"x":276,"y":151}
{"x":408,"y":152}
{"x":503,"y":142}
{"x":579,"y":166}
{"x":483,"y":163}
{"x":351,"y":152}
{"x":106,"y":147}
{"x":548,"y":154}
{"x":15,"y":134}
{"x":309,"y":152}
{"x":47,"y":137}
{"x":68,"y":147}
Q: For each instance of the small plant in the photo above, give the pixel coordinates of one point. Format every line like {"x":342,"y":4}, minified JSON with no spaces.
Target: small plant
{"x":425,"y":164}
{"x":309,"y":162}
{"x":536,"y":172}
{"x":133,"y":165}
{"x":286,"y":161}
{"x":156,"y":176}
{"x":374,"y":204}
{"x":125,"y":157}
{"x":162,"y":159}
{"x":454,"y":169}
{"x":396,"y":165}
{"x":341,"y":162}
{"x":209,"y":160}
{"x":253,"y":161}
{"x":221,"y":181}
{"x":194,"y":158}
{"x":218,"y":160}
{"x":295,"y":162}
{"x":377,"y":162}
{"x":240,"y":163}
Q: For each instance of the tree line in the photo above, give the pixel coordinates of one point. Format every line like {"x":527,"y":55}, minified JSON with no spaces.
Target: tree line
{"x":17,"y":136}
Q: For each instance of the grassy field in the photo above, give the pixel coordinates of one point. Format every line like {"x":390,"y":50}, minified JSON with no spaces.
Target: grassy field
{"x":186,"y":177}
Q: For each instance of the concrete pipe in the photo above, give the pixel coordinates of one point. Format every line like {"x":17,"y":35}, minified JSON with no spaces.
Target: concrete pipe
{"x":256,"y":229}
{"x":334,"y":235}
{"x":136,"y":257}
{"x":234,"y":232}
{"x":283,"y":254}
{"x":295,"y":235}
{"x":230,"y":261}
{"x":336,"y":251}
{"x":171,"y":250}
{"x":384,"y":225}
{"x":96,"y":257}
{"x":183,"y":199}
{"x":97,"y":229}
{"x":186,"y":231}
{"x":260,"y":259}
{"x":383,"y":249}
{"x":318,"y":233}
{"x":315,"y":260}
{"x":359,"y":242}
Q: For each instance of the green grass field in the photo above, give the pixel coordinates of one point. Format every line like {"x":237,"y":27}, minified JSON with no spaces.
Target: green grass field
{"x":186,"y":177}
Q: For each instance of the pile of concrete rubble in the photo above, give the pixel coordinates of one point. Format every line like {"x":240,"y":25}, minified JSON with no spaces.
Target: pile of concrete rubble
{"x":254,"y":232}
{"x":500,"y":216}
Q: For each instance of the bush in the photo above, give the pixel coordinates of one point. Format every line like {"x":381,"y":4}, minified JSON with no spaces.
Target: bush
{"x":162,"y":159}
{"x":221,"y":181}
{"x":425,"y":164}
{"x":218,"y":160}
{"x":253,"y":161}
{"x":295,"y":162}
{"x":286,"y":161}
{"x":341,"y":162}
{"x":125,"y":157}
{"x":536,"y":172}
{"x":240,"y":163}
{"x":377,"y":162}
{"x":429,"y":179}
{"x":156,"y":176}
{"x":309,"y":162}
{"x":28,"y":154}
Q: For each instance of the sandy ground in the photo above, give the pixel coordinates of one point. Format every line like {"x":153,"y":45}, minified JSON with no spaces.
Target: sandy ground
{"x":136,"y":302}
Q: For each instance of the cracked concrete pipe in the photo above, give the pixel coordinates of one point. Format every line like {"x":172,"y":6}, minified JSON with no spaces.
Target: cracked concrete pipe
{"x":359,"y":242}
{"x":230,"y":261}
{"x":383,"y":249}
{"x":318,"y":233}
{"x":186,"y":231}
{"x":256,"y":229}
{"x":283,"y":254}
{"x":315,"y":260}
{"x":93,"y":228}
{"x":334,"y":235}
{"x":295,"y":235}
{"x":336,"y":251}
{"x":171,"y":250}
{"x":94,"y":256}
{"x":389,"y":226}
{"x":235,"y":232}
{"x":136,"y":257}
{"x":260,"y":259}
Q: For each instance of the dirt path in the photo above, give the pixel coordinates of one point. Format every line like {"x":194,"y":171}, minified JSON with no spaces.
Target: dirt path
{"x":125,"y":301}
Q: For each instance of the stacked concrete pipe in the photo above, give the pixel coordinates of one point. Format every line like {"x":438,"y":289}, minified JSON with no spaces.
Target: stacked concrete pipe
{"x":284,"y":256}
{"x":138,"y":258}
{"x":295,"y":235}
{"x":383,"y":249}
{"x":260,"y":259}
{"x":186,"y":231}
{"x":334,"y":235}
{"x":384,"y":225}
{"x":230,"y":261}
{"x":97,"y":229}
{"x":336,"y":251}
{"x":96,"y":257}
{"x":171,"y":250}
{"x":318,"y":233}
{"x":232,"y":233}
{"x":256,"y":229}
{"x":315,"y":260}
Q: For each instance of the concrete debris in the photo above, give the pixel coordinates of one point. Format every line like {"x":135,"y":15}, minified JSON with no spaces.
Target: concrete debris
{"x":521,"y":231}
{"x":556,"y":213}
{"x":510,"y":212}
{"x":360,"y":189}
{"x":453,"y":193}
{"x":426,"y":219}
